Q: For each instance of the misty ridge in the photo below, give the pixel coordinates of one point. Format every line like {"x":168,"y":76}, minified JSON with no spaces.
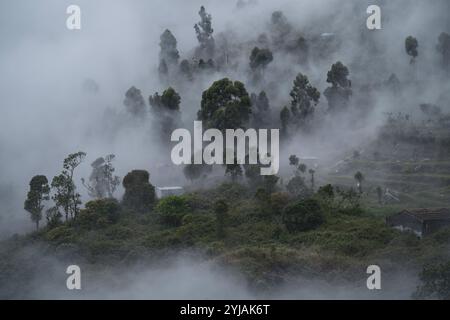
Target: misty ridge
{"x":364,"y":121}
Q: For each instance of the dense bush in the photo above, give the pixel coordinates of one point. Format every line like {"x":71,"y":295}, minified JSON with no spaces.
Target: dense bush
{"x":297,"y":187}
{"x":278,"y":201}
{"x":303,"y":215}
{"x":435,"y":282}
{"x":99,"y":213}
{"x":172,"y":209}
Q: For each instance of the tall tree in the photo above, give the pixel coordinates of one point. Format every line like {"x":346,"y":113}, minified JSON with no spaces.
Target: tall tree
{"x":166,"y":108}
{"x":285,"y":116}
{"x":280,"y":28}
{"x":168,"y":101}
{"x":39,"y":192}
{"x":340,"y":91}
{"x":338,"y":75}
{"x":294,"y":161}
{"x":261,"y":110}
{"x":53,"y":217}
{"x":411,"y":46}
{"x":225,"y":105}
{"x":169,"y":52}
{"x":443,"y":48}
{"x":65,"y":194}
{"x":186,"y":69}
{"x":204,"y":32}
{"x":163,"y":70}
{"x":135,"y":103}
{"x":304,"y":98}
{"x":102,"y":181}
{"x":259,"y":60}
{"x":139,"y":192}
{"x":196,"y":171}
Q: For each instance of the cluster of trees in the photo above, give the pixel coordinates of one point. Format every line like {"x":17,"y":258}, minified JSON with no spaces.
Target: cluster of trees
{"x":166,"y":110}
{"x":259,"y":60}
{"x":208,"y":57}
{"x":139,"y":194}
{"x":297,"y":185}
{"x":442,"y":47}
{"x":102,"y":181}
{"x":304,"y":96}
{"x":65,"y":196}
{"x":340,"y":91}
{"x":169,"y":55}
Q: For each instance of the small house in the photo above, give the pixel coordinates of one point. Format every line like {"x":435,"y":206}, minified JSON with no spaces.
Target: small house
{"x":420,"y":221}
{"x":162,"y":192}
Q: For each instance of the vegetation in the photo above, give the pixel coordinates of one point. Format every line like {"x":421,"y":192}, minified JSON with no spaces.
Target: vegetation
{"x":65,"y":194}
{"x":225,"y":105}
{"x":310,"y":220}
{"x":411,"y":45}
{"x":39,"y":192}
{"x":139,"y":193}
{"x":436,"y":282}
{"x":204,"y":32}
{"x":304,"y":98}
{"x":134,"y":102}
{"x":169,"y":53}
{"x":102,"y":181}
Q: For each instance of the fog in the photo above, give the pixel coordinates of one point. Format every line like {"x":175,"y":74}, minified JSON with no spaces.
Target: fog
{"x":47,"y":112}
{"x":186,"y":275}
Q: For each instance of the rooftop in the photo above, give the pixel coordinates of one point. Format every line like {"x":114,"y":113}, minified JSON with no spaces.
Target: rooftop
{"x":429,"y":214}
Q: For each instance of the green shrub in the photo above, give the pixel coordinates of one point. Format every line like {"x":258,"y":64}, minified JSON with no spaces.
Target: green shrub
{"x":278,"y":201}
{"x":172,"y":209}
{"x":303,"y":215}
{"x":435,"y":282}
{"x":442,"y":236}
{"x":99,"y":213}
{"x":61,"y":234}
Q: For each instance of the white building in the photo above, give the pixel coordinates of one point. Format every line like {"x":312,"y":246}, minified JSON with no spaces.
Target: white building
{"x":162,"y":192}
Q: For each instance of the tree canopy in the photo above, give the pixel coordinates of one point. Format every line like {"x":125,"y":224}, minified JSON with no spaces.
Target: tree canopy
{"x":139,"y":193}
{"x":39,"y":192}
{"x":304,"y":98}
{"x":411,"y":47}
{"x":169,"y":52}
{"x":225,"y":105}
{"x":134,"y":102}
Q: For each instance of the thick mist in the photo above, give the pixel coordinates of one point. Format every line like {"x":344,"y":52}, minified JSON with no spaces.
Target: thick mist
{"x":49,"y":109}
{"x":186,"y":275}
{"x":47,"y":112}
